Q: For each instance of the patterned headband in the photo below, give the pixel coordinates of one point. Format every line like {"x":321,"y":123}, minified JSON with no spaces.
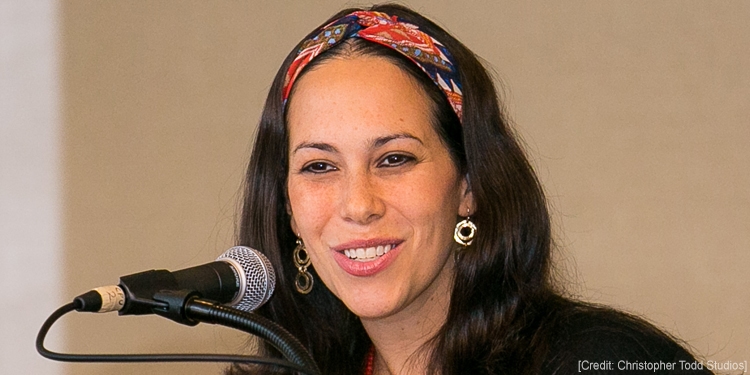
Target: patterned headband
{"x":429,"y":54}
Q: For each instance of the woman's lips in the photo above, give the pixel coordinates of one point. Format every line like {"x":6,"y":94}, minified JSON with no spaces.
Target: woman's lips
{"x":366,"y":258}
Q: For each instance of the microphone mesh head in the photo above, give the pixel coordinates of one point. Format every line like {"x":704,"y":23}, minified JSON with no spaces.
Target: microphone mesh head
{"x":256,"y":275}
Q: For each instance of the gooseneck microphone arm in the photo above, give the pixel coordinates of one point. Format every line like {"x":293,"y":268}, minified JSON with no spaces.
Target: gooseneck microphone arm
{"x":257,"y":325}
{"x":195,"y":310}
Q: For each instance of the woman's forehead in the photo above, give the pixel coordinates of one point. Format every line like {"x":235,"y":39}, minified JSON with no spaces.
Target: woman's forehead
{"x":357,"y":76}
{"x":369,"y":96}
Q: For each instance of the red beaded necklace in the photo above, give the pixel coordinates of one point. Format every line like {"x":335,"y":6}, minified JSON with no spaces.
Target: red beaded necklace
{"x":369,"y":361}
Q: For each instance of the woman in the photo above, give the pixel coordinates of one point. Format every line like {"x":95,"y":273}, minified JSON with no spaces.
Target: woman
{"x":408,"y":229}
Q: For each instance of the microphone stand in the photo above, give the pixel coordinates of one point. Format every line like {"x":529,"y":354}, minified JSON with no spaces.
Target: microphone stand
{"x":187,"y":308}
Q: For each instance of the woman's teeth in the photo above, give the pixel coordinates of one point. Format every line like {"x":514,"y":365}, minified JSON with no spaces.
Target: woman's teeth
{"x":365,"y":254}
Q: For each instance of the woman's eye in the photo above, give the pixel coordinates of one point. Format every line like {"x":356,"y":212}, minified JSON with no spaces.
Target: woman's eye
{"x":395,"y":160}
{"x":318,"y":167}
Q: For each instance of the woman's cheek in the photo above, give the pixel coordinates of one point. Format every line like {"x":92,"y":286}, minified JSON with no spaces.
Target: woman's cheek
{"x":312,"y":204}
{"x":427,"y":194}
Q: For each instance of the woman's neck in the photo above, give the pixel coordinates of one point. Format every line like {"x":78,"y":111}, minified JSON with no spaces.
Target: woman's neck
{"x":398,"y":338}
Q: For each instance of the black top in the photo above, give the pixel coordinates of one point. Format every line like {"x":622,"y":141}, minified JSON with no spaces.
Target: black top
{"x":603,"y":341}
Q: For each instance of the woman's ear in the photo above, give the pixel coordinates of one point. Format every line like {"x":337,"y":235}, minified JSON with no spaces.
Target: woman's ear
{"x":467,"y":205}
{"x":293,"y":224}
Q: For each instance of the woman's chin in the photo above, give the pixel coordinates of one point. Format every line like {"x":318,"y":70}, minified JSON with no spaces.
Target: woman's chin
{"x":374,"y":313}
{"x":369,"y":307}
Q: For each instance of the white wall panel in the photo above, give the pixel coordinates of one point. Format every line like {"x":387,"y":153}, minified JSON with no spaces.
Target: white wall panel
{"x":30,"y":191}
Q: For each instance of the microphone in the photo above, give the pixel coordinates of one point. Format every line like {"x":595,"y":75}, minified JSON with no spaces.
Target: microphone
{"x":241,"y":277}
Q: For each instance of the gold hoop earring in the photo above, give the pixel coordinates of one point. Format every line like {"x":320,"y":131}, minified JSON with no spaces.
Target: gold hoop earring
{"x":304,"y":280}
{"x":465,"y":232}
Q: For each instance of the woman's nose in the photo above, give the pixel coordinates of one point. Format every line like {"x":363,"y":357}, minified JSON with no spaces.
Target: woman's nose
{"x":361,"y":200}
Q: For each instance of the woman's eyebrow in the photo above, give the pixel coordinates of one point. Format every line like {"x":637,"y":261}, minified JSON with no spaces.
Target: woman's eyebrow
{"x":375,"y":143}
{"x":316,"y":145}
{"x":380,"y":141}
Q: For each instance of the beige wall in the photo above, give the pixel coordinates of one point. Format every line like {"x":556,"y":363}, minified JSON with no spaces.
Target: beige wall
{"x":634,"y":112}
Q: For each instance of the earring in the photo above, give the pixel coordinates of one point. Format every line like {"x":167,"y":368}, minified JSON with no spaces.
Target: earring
{"x":465,"y":232}
{"x":304,"y":280}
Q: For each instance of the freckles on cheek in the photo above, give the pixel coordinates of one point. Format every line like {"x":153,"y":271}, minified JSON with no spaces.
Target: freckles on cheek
{"x":431,"y":196}
{"x":310,"y":207}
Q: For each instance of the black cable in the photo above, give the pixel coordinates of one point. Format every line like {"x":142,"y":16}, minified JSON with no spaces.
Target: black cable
{"x":68,"y":357}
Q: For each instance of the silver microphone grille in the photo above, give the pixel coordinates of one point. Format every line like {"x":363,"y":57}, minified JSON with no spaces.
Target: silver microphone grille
{"x":258,"y":278}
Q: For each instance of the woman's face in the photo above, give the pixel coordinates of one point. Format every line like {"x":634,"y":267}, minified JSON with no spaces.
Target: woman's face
{"x":373,"y":192}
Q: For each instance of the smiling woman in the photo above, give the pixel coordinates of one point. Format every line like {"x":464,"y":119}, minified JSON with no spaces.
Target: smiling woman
{"x":381,"y":141}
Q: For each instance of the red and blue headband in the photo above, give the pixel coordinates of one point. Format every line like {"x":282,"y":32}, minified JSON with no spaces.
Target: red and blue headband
{"x":429,"y":54}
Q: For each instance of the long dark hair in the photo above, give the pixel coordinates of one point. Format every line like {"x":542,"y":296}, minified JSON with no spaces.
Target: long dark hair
{"x":502,"y":295}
